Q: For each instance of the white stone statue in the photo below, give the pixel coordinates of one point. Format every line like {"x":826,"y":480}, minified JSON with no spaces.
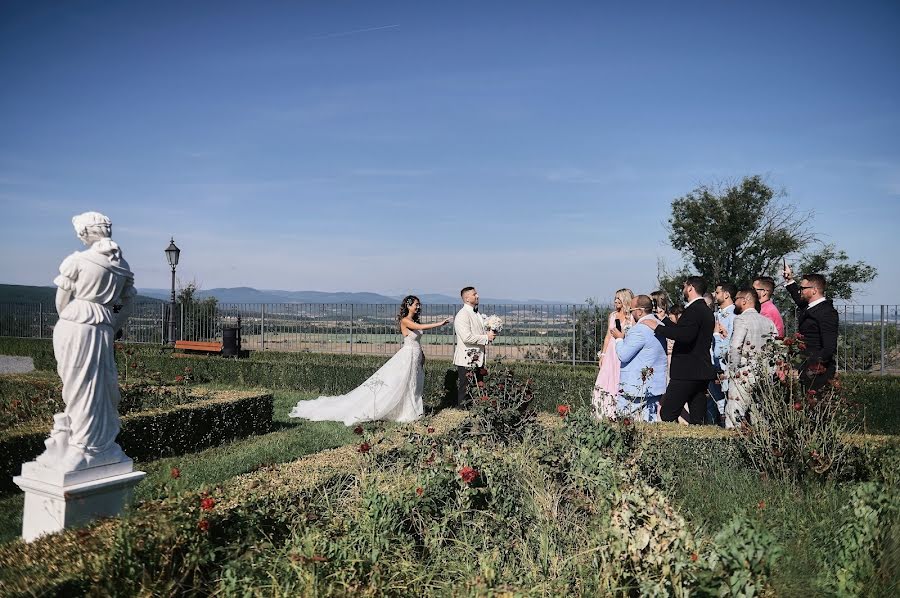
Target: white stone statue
{"x":95,"y":290}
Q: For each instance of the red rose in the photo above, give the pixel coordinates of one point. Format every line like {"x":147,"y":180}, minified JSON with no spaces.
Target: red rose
{"x":480,"y":384}
{"x":563,"y":410}
{"x":179,"y":378}
{"x":798,"y":336}
{"x":420,"y":491}
{"x":430,"y":430}
{"x":788,"y":342}
{"x":482,"y":371}
{"x":761,"y":505}
{"x":203,"y":525}
{"x":468,"y":474}
{"x":816,"y":369}
{"x":175,"y":473}
{"x":801,"y":346}
{"x":207,"y":504}
{"x":798,"y":406}
{"x":358,"y":430}
{"x":694,"y":556}
{"x":501,"y":387}
{"x":626,"y":421}
{"x":363,"y":448}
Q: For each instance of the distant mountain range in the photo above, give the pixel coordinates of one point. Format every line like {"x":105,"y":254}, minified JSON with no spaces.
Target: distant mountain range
{"x":20,"y":293}
{"x":15,"y":293}
{"x":251,"y":295}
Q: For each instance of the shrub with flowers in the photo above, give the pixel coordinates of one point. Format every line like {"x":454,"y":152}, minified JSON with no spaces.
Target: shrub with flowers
{"x":794,"y":431}
{"x":501,"y":406}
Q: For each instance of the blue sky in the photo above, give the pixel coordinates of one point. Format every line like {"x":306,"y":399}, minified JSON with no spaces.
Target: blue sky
{"x":529,"y":148}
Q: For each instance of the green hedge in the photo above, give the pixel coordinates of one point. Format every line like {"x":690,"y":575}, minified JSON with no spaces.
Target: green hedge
{"x":40,"y":350}
{"x":330,"y":373}
{"x":158,"y":433}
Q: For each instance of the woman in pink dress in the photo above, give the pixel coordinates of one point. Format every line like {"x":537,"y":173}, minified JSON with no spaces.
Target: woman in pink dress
{"x":607,"y":385}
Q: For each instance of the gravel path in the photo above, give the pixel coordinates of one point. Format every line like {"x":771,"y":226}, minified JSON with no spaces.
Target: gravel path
{"x":15,"y":365}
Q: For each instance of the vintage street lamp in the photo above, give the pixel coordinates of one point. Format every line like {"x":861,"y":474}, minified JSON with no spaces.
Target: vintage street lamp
{"x":172,"y":253}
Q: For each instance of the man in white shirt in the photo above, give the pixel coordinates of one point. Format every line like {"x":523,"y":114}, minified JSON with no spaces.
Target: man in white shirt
{"x":471,"y":339}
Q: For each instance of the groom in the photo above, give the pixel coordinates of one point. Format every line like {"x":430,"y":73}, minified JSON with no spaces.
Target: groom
{"x":471,"y":339}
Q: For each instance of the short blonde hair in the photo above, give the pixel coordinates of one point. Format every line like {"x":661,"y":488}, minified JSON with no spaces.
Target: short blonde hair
{"x":626,"y":297}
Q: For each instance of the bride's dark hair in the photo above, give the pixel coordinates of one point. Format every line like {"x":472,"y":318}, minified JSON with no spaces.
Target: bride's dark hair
{"x":405,"y":305}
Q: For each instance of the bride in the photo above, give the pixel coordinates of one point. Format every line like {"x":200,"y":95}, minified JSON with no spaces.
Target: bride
{"x":393,"y":393}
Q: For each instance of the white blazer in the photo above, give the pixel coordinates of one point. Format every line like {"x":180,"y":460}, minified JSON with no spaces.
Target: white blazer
{"x":470,"y":336}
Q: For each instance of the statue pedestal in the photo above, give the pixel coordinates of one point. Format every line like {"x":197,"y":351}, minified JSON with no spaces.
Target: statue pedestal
{"x":55,"y":501}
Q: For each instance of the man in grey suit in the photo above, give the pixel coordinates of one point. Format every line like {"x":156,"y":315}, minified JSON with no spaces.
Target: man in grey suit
{"x":751,"y":332}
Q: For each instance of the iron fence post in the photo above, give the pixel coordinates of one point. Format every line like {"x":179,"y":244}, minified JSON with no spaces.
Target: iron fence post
{"x":882,"y":340}
{"x":351,"y":329}
{"x":574,"y":324}
{"x":262,"y":317}
{"x":41,"y":323}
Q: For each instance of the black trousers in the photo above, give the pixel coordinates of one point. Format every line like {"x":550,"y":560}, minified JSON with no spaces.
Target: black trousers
{"x":685,"y":392}
{"x":462,"y":384}
{"x":817,"y":382}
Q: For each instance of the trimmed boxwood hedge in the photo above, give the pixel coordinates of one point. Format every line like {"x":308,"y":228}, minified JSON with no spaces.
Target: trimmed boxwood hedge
{"x":158,"y":433}
{"x":331,"y":373}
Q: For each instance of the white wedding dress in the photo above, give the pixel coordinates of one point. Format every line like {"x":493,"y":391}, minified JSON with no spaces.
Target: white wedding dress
{"x":393,"y":393}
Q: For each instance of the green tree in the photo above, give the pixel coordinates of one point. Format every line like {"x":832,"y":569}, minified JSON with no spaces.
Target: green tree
{"x":197,"y":317}
{"x":837,"y":269}
{"x":736,"y":232}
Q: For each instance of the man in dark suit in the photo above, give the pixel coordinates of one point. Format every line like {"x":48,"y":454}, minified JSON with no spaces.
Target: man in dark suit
{"x":817,"y":322}
{"x":691,"y":369}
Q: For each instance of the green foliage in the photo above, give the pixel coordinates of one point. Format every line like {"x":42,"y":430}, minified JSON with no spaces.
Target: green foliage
{"x":736,"y":232}
{"x":835,"y":266}
{"x":866,"y":548}
{"x":501,"y":407}
{"x":324,"y":373}
{"x":794,"y":432}
{"x":733,"y":233}
{"x":26,"y":398}
{"x":157,"y":433}
{"x":194,"y":315}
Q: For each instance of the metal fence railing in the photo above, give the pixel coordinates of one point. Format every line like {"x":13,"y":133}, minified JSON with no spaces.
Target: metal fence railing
{"x":869,"y":334}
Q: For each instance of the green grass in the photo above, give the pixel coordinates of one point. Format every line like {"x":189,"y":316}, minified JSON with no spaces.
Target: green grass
{"x":294,"y":439}
{"x":803,"y":517}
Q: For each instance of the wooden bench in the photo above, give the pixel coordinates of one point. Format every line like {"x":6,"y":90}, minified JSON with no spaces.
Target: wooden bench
{"x":198,"y":346}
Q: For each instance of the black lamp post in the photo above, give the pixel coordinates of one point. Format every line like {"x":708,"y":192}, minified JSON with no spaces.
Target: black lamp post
{"x":172,"y":253}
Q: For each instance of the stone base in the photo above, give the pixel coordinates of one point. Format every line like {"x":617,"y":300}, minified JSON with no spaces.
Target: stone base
{"x":55,"y":501}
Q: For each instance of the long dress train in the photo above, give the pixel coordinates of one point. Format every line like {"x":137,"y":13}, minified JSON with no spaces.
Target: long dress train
{"x":393,"y":393}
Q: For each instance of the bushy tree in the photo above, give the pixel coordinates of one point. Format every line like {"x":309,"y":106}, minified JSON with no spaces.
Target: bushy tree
{"x":197,"y":316}
{"x":736,"y":232}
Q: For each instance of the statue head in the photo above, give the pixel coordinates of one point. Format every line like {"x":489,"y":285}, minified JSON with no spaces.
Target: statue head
{"x":91,"y":227}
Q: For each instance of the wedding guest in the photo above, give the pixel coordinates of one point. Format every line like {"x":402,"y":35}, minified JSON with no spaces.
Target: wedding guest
{"x":691,"y":366}
{"x":724,"y":315}
{"x":643,"y":357}
{"x":607,"y":385}
{"x":662,"y":310}
{"x":817,"y":322}
{"x":708,"y":300}
{"x":751,"y":332}
{"x":765,"y":290}
{"x":661,"y":300}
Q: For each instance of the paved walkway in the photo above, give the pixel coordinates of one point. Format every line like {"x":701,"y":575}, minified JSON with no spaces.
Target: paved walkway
{"x":15,"y":365}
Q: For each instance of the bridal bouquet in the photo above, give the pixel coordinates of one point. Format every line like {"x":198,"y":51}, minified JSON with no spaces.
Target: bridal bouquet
{"x":493,"y":323}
